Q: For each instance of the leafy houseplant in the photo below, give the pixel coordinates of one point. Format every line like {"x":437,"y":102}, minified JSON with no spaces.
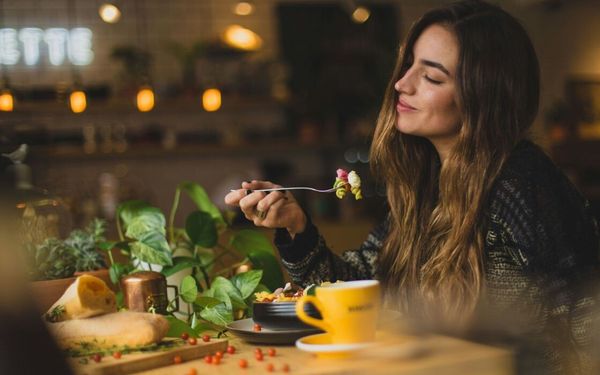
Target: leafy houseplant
{"x":56,"y":259}
{"x":212,"y":250}
{"x":53,"y":263}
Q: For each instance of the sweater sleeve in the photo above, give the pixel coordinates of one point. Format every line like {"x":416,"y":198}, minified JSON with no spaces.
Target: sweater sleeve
{"x":547,"y":229}
{"x":308,"y":259}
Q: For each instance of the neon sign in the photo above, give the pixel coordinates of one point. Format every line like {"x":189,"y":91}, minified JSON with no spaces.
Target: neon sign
{"x":60,"y":44}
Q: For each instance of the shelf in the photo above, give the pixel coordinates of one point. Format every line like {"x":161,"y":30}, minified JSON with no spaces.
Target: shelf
{"x":149,"y":151}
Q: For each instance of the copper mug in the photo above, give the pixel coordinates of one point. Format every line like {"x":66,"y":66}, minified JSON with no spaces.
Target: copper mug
{"x":147,"y":291}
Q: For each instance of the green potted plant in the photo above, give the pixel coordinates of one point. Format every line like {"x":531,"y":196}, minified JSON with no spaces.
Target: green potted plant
{"x":54,"y":264}
{"x":208,"y":247}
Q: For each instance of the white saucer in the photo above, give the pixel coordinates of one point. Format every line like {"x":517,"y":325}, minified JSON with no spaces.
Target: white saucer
{"x":321,"y":345}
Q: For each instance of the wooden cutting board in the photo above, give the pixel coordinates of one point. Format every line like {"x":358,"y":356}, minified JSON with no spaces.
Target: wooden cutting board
{"x":134,"y":362}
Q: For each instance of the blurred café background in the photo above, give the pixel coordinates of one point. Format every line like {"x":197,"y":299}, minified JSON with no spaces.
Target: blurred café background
{"x":125,"y":99}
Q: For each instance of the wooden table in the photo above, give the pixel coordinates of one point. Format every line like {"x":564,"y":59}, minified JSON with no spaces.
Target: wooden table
{"x":426,"y":355}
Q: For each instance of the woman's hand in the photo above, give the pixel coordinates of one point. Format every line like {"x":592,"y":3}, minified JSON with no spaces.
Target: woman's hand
{"x":277,"y":209}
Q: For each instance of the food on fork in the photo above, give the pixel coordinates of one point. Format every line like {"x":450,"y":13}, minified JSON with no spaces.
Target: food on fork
{"x":345,"y":182}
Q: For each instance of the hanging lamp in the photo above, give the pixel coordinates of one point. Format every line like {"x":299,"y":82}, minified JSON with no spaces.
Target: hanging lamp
{"x":211,"y":99}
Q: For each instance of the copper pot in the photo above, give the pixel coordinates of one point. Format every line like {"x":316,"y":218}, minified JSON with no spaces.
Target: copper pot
{"x":147,"y":291}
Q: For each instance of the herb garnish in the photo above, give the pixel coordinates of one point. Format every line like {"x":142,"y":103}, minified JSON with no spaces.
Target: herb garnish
{"x":55,"y":314}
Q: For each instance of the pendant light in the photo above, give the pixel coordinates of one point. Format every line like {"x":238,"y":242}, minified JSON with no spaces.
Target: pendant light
{"x":7,"y":100}
{"x":77,"y":98}
{"x":77,"y":101}
{"x":211,"y":99}
{"x":243,"y":8}
{"x":145,"y":98}
{"x":109,"y":12}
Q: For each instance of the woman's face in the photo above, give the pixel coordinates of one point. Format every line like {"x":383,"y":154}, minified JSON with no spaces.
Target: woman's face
{"x":427,"y":98}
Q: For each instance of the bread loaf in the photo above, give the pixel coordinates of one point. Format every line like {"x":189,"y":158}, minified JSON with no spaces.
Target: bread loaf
{"x":87,"y":296}
{"x":125,"y":328}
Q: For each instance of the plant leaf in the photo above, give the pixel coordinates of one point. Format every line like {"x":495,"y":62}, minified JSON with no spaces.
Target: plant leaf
{"x":272,"y":274}
{"x":152,"y":247}
{"x":201,"y":229}
{"x":178,"y":326}
{"x":130,"y":209}
{"x":224,"y":290}
{"x":204,"y":301}
{"x":179,"y":264}
{"x":204,"y":203}
{"x":219,"y":314}
{"x":249,"y":240}
{"x":146,"y":222}
{"x":247,"y":282}
{"x":188,"y":289}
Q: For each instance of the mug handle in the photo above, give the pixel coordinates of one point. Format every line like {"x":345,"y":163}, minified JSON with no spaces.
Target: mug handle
{"x":320,"y":323}
{"x":176,"y":297}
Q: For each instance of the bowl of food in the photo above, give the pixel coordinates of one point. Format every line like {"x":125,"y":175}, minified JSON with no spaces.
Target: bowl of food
{"x":277,"y":310}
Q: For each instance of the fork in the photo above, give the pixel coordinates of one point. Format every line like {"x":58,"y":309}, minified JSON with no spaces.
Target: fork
{"x":292,"y":188}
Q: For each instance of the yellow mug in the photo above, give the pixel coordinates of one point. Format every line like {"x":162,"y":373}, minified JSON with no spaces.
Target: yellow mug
{"x":350,"y":310}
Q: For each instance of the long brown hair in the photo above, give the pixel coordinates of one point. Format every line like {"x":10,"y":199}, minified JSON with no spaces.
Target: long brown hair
{"x":432,"y":259}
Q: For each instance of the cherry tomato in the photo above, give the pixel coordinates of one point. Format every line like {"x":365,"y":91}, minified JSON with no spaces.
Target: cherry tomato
{"x":192,"y":371}
{"x":231,"y":349}
{"x":270,"y":367}
{"x":192,"y":341}
{"x":219,"y":354}
{"x":285,"y":368}
{"x":272,"y":352}
{"x":216,"y":360}
{"x":257,"y":327}
{"x":177,"y":359}
{"x":243,"y":363}
{"x":185,"y":336}
{"x":208,"y":359}
{"x":258,"y":356}
{"x":206,"y":338}
{"x":97,"y":357}
{"x":258,"y":350}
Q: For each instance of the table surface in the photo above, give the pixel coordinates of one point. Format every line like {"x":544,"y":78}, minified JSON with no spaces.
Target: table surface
{"x":402,"y":355}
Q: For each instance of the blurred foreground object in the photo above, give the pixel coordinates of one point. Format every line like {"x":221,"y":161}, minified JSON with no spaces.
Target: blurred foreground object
{"x":22,"y":332}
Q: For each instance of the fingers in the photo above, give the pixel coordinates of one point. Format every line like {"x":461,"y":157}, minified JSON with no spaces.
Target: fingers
{"x":233,"y":198}
{"x":270,"y":199}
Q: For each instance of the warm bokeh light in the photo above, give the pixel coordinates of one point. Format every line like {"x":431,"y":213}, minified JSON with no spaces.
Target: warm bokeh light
{"x":7,"y":102}
{"x":242,"y":38}
{"x":78,"y":101}
{"x":145,"y":99}
{"x":109,"y":13}
{"x":360,"y":15}
{"x":211,"y":100}
{"x":243,"y":8}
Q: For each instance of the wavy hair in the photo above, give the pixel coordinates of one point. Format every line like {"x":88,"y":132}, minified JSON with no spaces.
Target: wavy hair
{"x":432,"y":260}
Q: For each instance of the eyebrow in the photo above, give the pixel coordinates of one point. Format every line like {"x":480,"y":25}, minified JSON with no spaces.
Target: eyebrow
{"x":434,"y":64}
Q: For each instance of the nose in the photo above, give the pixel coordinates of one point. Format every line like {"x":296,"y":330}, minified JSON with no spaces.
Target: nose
{"x":405,"y":84}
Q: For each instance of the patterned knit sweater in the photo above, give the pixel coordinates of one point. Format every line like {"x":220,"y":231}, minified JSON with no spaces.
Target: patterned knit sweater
{"x":541,"y":265}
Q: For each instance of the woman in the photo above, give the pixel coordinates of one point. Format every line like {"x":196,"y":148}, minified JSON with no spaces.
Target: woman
{"x":482,"y":230}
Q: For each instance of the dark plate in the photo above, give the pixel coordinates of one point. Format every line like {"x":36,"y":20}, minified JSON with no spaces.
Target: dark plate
{"x":244,"y":329}
{"x":281,"y":315}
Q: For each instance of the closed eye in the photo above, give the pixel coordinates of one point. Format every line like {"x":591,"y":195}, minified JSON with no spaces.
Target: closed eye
{"x":433,"y":80}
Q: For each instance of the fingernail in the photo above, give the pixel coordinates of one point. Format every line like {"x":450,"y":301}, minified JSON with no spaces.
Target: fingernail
{"x":245,"y":182}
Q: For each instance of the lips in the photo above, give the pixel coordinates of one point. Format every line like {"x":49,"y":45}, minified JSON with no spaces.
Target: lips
{"x":403,"y":106}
